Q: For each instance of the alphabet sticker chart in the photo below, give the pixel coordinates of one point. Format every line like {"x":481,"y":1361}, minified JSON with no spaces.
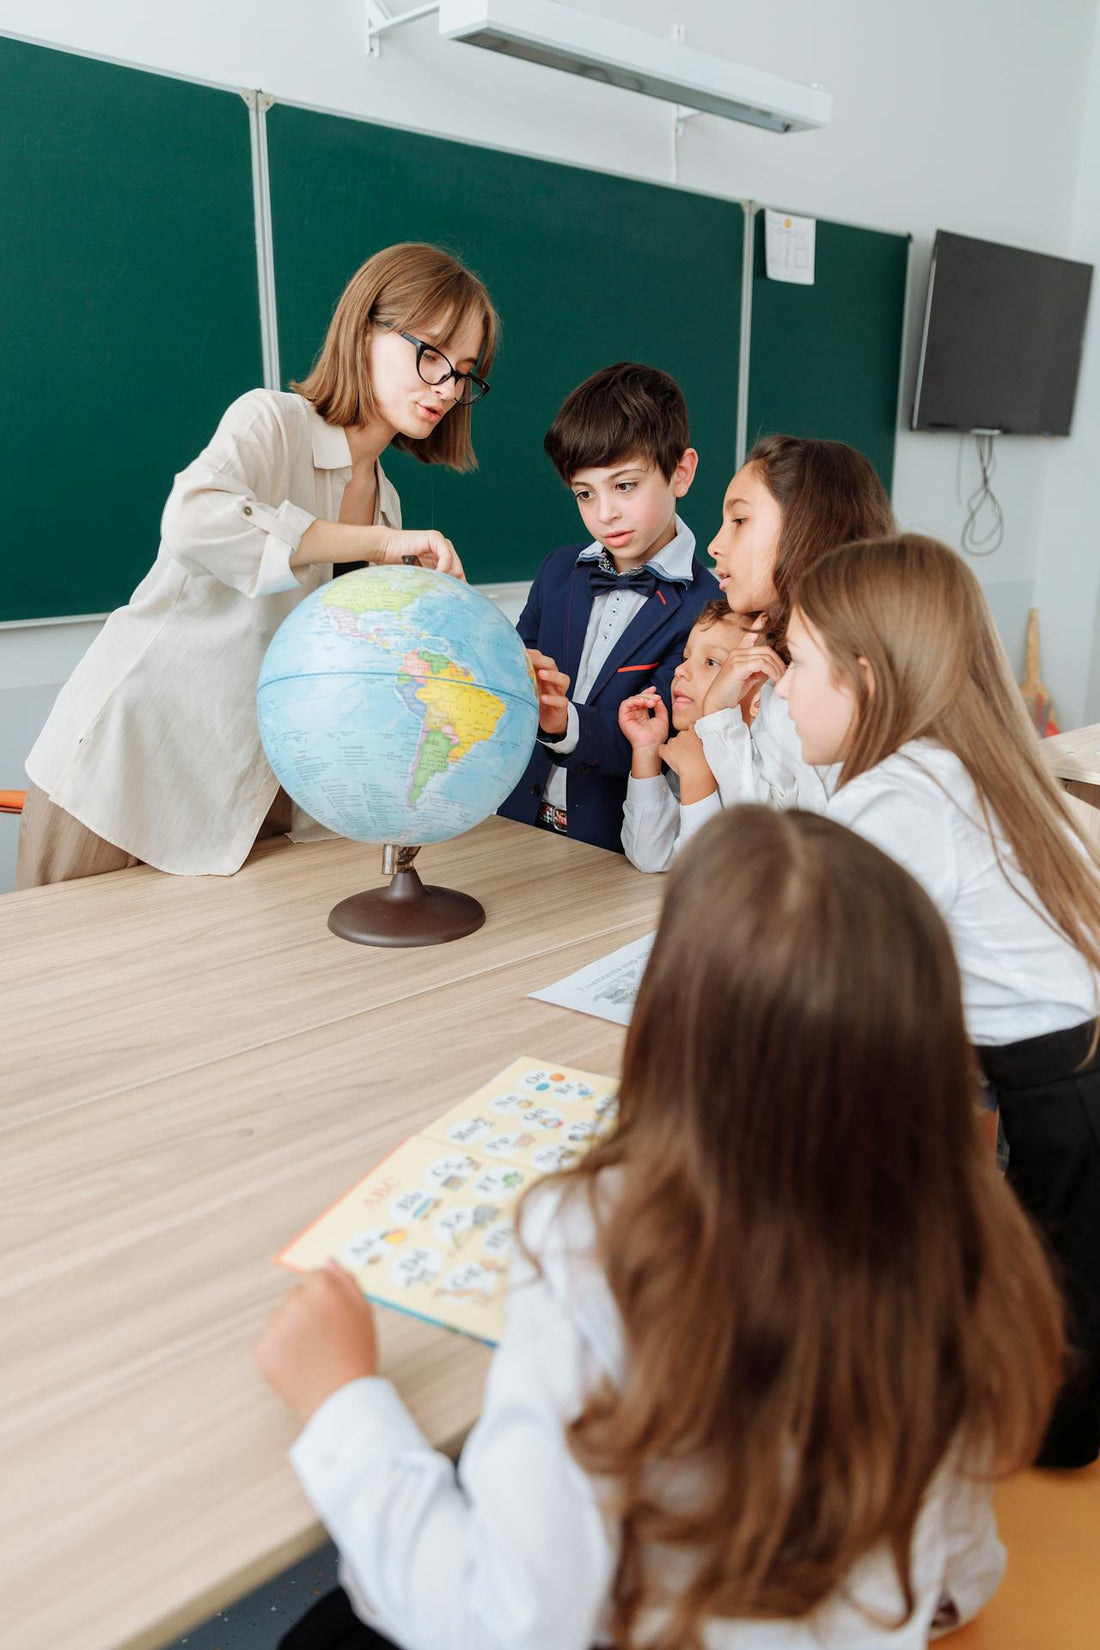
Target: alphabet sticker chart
{"x":430,"y":1230}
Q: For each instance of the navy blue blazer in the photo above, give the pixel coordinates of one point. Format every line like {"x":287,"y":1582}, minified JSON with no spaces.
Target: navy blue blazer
{"x":555,"y":621}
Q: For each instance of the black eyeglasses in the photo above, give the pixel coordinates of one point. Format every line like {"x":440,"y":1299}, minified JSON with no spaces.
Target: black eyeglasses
{"x":434,"y":368}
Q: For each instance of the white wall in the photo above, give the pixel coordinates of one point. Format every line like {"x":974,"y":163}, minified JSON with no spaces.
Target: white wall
{"x":963,"y":114}
{"x":1068,"y":585}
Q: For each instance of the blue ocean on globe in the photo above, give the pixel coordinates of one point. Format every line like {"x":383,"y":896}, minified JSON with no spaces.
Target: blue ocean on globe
{"x":397,"y":705}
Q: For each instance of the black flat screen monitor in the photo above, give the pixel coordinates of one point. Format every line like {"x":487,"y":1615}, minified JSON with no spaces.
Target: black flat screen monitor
{"x":1003,"y":331}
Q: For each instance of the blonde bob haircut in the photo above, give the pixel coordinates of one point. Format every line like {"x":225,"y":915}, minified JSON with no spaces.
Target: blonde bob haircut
{"x":401,"y":288}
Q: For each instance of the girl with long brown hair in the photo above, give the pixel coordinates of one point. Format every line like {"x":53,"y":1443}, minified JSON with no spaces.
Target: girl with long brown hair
{"x":767,"y":1347}
{"x":793,"y":500}
{"x":151,"y":751}
{"x":898,"y":674}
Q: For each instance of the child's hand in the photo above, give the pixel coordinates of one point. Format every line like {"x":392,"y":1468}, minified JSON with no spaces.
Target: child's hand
{"x":643,"y":719}
{"x":553,"y":686}
{"x":319,"y":1337}
{"x":430,"y":548}
{"x":746,"y":668}
{"x":685,"y":755}
{"x":645,"y":732}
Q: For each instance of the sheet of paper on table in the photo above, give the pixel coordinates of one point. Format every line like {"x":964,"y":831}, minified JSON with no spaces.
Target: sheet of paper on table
{"x":606,"y":988}
{"x":430,"y":1230}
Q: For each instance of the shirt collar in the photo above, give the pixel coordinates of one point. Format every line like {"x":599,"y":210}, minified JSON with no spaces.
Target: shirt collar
{"x":330,"y":444}
{"x":673,"y":563}
{"x":331,"y":452}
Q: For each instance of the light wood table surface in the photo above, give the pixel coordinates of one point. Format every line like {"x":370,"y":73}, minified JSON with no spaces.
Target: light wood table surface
{"x":193,"y":1070}
{"x":1074,"y":759}
{"x":1075,"y":756}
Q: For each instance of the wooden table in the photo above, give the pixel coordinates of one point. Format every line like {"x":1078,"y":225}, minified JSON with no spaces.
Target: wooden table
{"x":1074,"y":759}
{"x":192,"y":1070}
{"x":1075,"y":756}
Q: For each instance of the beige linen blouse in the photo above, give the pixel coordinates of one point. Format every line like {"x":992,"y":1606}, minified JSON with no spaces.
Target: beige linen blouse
{"x":153,"y":743}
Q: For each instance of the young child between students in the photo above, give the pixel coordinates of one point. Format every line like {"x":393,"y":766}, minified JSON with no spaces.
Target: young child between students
{"x":607,"y":618}
{"x":766,"y":1348}
{"x":651,"y":827}
{"x":791,"y":502}
{"x":898,"y":674}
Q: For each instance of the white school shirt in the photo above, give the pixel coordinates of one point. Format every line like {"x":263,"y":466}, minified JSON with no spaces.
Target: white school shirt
{"x":656,"y":824}
{"x":1020,"y":976}
{"x":763,"y":763}
{"x":611,"y":612}
{"x":153,"y":741}
{"x":511,"y":1550}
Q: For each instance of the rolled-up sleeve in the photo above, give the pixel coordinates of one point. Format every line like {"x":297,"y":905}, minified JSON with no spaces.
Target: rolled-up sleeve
{"x":221,"y":517}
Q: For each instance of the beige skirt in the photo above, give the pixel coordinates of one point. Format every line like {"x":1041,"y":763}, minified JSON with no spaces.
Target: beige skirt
{"x":55,"y":847}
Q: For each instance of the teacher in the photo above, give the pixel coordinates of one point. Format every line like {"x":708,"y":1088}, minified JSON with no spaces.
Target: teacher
{"x":151,"y":752}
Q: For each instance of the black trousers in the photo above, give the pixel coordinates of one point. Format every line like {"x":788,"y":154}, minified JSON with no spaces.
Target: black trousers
{"x":1050,"y":1112}
{"x":333,"y":1625}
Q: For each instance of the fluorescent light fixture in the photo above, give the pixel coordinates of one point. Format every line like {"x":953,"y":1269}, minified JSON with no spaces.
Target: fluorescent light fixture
{"x":557,"y":37}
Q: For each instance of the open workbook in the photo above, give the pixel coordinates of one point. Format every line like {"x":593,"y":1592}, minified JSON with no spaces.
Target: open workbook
{"x":430,"y":1230}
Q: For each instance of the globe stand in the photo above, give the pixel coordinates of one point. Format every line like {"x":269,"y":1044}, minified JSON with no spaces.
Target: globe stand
{"x":405,"y":912}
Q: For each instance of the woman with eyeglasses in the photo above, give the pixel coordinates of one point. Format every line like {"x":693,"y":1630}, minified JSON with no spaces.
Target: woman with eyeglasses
{"x":151,"y":752}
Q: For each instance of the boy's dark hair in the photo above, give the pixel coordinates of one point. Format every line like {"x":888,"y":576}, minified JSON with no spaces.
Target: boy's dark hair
{"x":624,"y":411}
{"x":713,"y":612}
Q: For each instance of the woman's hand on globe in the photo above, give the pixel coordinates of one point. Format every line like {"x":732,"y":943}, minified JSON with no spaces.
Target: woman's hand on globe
{"x":430,"y":548}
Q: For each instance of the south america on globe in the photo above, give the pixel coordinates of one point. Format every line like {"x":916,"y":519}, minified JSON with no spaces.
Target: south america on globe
{"x":397,"y":705}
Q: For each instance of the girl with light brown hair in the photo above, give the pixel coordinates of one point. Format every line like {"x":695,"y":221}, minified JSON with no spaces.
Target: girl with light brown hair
{"x":767,"y":1347}
{"x":152,"y":752}
{"x":897,"y":673}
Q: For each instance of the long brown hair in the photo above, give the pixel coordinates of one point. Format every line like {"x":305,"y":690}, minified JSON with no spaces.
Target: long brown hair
{"x":824,"y":1285}
{"x":912,"y":608}
{"x":829,"y":494}
{"x":400,"y":288}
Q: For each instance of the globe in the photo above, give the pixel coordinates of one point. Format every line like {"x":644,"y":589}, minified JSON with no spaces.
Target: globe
{"x":397,"y":705}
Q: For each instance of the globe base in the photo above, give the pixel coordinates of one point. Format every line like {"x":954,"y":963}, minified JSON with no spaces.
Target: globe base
{"x":406,"y":912}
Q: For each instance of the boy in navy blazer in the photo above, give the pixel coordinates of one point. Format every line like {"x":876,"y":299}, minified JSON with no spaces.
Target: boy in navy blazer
{"x":609,"y":617}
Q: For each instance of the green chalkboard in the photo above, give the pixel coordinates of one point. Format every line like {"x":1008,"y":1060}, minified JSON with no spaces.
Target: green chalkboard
{"x":128,"y":309}
{"x":825,"y":359}
{"x":130,"y":315}
{"x":584,"y":268}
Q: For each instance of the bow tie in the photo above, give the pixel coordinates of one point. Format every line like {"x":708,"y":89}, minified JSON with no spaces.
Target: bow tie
{"x":602,"y":579}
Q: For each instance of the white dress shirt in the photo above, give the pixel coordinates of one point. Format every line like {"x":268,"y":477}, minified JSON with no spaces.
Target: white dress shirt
{"x":153,"y":742}
{"x":656,"y":824}
{"x":513,"y":1551}
{"x":763,"y":763}
{"x":1020,"y":976}
{"x":611,"y":612}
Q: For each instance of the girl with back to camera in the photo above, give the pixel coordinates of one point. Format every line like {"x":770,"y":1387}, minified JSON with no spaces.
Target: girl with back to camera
{"x":152,"y":752}
{"x":793,"y":500}
{"x":766,"y":1347}
{"x":898,"y":674}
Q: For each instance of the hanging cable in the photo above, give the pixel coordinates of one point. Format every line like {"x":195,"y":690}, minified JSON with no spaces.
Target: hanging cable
{"x":984,"y":500}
